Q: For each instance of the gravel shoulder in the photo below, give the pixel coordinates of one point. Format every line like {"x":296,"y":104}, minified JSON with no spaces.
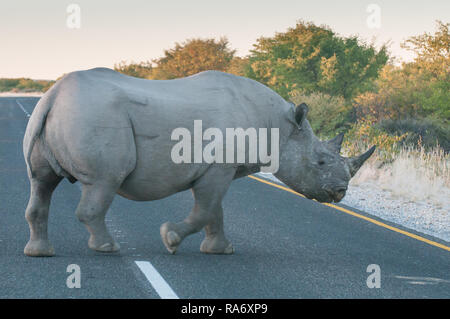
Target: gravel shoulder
{"x":423,"y":217}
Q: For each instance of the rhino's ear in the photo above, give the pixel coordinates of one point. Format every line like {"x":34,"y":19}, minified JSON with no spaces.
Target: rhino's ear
{"x":300,"y":113}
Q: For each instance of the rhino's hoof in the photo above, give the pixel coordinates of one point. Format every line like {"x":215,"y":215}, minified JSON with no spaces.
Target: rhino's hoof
{"x":105,"y":247}
{"x":211,"y":246}
{"x":39,"y":248}
{"x":169,"y":237}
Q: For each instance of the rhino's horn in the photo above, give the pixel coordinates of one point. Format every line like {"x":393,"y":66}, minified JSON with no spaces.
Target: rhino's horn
{"x":356,"y":162}
{"x":336,"y":143}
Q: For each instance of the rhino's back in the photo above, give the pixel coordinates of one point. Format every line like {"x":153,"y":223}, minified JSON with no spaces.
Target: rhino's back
{"x":207,"y":91}
{"x":156,"y":107}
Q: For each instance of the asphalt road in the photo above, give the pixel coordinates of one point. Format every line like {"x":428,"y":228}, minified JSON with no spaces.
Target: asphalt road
{"x":286,"y":246}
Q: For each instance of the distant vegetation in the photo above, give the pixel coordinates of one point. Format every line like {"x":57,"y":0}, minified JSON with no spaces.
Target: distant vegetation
{"x":350,"y":85}
{"x":24,"y":85}
{"x":188,"y":58}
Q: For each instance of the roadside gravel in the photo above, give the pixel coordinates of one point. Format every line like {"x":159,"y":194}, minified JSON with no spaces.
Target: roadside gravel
{"x":424,"y":217}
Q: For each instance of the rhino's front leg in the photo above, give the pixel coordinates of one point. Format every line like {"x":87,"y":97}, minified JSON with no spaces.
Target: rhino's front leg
{"x":207,"y":213}
{"x":215,"y":241}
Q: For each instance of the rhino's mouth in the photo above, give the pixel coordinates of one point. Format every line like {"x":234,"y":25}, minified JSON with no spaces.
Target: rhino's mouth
{"x":321,"y":198}
{"x":338,"y":195}
{"x":329,"y":196}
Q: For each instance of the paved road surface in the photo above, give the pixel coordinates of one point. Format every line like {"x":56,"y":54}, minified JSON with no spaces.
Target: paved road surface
{"x":286,"y":246}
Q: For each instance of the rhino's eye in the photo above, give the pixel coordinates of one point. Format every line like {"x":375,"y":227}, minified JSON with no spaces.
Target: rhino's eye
{"x":321,"y":162}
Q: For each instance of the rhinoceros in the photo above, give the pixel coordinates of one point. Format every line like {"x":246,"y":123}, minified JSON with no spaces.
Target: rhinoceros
{"x":113,"y":134}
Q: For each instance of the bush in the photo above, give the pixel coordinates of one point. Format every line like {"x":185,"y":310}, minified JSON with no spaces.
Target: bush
{"x":138,"y":70}
{"x":328,"y":115}
{"x":427,"y":133}
{"x":366,"y":133}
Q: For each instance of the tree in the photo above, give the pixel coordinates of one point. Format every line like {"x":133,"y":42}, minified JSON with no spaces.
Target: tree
{"x":432,"y":65}
{"x":414,"y":98}
{"x":139,"y":70}
{"x":193,"y":56}
{"x":311,"y":58}
{"x":238,"y":66}
{"x":418,"y":89}
{"x":432,"y":51}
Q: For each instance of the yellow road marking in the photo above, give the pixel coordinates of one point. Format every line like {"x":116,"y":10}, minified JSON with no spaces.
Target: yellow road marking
{"x":371,"y":220}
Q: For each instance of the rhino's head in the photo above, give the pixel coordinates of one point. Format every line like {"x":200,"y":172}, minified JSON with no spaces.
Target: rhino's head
{"x":315,"y":168}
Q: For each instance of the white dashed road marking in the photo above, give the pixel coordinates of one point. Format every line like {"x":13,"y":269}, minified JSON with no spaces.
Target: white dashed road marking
{"x":23,"y":108}
{"x":156,"y":280}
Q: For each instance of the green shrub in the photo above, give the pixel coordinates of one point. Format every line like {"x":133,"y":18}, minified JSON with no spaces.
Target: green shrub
{"x":366,"y":133}
{"x":426,"y":132}
{"x":328,"y":115}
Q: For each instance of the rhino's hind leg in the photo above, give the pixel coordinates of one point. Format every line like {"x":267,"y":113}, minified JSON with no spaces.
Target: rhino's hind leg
{"x":92,"y":208}
{"x":36,"y":214}
{"x":207,"y":213}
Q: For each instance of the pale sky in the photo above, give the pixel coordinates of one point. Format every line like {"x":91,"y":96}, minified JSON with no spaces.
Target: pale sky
{"x":35,"y":41}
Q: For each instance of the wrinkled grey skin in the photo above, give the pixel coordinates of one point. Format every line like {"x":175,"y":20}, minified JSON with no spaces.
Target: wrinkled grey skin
{"x":112,"y":132}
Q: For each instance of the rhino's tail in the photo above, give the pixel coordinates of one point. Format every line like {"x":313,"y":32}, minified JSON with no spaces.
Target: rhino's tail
{"x":35,"y":126}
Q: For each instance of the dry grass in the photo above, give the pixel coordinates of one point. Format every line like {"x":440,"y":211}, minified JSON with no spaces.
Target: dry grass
{"x":414,"y":175}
